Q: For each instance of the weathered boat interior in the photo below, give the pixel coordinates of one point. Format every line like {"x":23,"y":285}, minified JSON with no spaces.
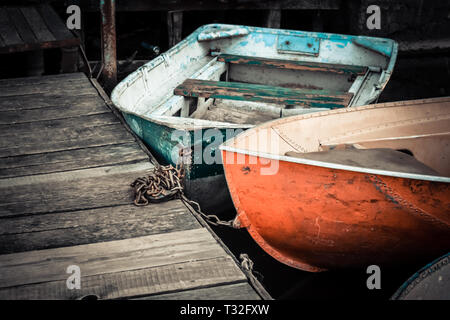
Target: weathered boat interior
{"x":255,"y":90}
{"x":245,"y":75}
{"x":411,"y":136}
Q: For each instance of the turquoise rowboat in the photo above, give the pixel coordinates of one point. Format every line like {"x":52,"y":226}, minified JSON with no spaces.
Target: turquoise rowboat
{"x":223,"y":79}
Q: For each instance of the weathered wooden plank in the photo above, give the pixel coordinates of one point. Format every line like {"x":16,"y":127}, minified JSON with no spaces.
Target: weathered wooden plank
{"x":21,"y":25}
{"x":54,"y":79}
{"x":80,"y":108}
{"x":52,"y":130}
{"x":37,"y":24}
{"x":30,"y":102}
{"x":109,"y":257}
{"x":71,"y":190}
{"x":71,"y":160}
{"x":235,"y":291}
{"x":62,"y":88}
{"x":56,"y":126}
{"x":218,"y":113}
{"x":26,"y":30}
{"x":129,"y":284}
{"x":40,"y":126}
{"x":54,"y":23}
{"x":93,"y":225}
{"x":262,"y":93}
{"x":81,"y":138}
{"x":8,"y":32}
{"x":293,"y":65}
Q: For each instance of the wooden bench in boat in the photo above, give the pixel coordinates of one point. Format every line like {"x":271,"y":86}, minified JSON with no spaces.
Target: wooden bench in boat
{"x":263,"y":93}
{"x":294,"y":65}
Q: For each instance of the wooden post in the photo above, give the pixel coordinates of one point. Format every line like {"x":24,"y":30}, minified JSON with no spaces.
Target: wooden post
{"x":274,"y":19}
{"x":174,"y":26}
{"x":69,"y":60}
{"x":107,"y":9}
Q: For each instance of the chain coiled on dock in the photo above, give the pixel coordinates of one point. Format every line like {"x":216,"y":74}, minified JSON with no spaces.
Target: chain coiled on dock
{"x":164,"y":183}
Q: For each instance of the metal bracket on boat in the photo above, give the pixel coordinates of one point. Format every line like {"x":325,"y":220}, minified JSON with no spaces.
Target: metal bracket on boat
{"x":295,"y":44}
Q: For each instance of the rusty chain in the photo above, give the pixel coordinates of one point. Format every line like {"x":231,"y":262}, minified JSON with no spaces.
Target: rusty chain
{"x":165,"y":183}
{"x":247,"y":264}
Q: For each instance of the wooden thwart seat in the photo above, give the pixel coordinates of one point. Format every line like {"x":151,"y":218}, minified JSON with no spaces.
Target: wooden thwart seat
{"x":263,"y":93}
{"x":294,"y":65}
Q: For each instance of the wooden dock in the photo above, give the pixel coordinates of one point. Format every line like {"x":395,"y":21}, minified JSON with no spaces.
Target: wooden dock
{"x":66,"y":164}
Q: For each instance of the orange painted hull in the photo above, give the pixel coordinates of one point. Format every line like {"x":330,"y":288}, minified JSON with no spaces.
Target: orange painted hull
{"x":315,"y":218}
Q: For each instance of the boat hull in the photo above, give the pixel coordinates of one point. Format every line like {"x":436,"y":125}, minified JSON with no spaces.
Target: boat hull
{"x":315,"y":218}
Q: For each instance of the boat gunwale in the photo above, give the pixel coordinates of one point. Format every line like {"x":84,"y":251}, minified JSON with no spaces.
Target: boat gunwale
{"x":331,"y":165}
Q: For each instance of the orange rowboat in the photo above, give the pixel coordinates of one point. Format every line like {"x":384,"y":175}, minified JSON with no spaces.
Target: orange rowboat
{"x":346,"y":188}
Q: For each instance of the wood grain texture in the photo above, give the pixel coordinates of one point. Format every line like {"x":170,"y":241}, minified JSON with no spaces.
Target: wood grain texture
{"x":75,"y":88}
{"x":71,"y":190}
{"x":55,"y":127}
{"x":8,"y":33}
{"x":217,"y":113}
{"x":66,"y":165}
{"x":54,"y":78}
{"x":93,"y":225}
{"x":135,"y":283}
{"x":37,"y":24}
{"x":76,"y":139}
{"x":235,"y":291}
{"x":33,"y":102}
{"x":50,"y":129}
{"x":293,"y":65}
{"x":21,"y":25}
{"x":67,"y":160}
{"x":262,"y":93}
{"x":108,"y":257}
{"x":25,"y":28}
{"x":54,"y":23}
{"x":94,"y":106}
